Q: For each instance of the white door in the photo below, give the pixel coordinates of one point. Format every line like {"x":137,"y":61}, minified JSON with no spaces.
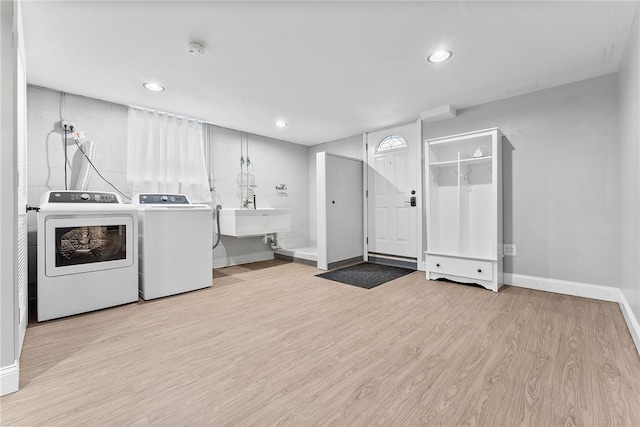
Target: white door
{"x":393,"y":157}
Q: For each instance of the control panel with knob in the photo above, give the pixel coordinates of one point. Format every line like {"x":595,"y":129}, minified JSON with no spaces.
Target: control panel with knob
{"x":162,"y":199}
{"x":82,"y":197}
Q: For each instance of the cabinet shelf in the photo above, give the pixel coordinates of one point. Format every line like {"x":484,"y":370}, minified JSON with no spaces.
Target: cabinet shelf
{"x":469,"y":161}
{"x":464,"y":208}
{"x":444,"y":164}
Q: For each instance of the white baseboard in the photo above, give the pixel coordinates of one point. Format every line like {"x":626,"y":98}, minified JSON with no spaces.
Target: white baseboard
{"x":632,"y":321}
{"x":585,"y":290}
{"x":242,"y":259}
{"x":9,"y":379}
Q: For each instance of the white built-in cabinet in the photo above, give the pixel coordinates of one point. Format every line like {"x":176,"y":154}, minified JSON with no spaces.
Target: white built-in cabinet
{"x":464,"y":208}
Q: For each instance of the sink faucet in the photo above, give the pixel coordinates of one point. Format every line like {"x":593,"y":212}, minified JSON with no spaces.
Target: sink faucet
{"x":247,"y":202}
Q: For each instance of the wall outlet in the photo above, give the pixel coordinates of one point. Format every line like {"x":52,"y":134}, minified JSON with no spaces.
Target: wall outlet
{"x":65,"y":124}
{"x":68,"y":125}
{"x":510,"y":250}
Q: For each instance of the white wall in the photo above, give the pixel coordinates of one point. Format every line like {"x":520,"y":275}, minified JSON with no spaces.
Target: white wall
{"x":273,"y":162}
{"x":104,"y":123}
{"x":629,"y":165}
{"x":561,"y":178}
{"x":348,"y":147}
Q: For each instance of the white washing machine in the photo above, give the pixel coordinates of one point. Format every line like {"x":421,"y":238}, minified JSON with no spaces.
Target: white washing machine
{"x":174,"y":241}
{"x":87,"y":253}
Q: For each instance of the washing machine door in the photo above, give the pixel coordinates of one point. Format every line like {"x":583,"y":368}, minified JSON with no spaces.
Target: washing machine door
{"x":88,"y":243}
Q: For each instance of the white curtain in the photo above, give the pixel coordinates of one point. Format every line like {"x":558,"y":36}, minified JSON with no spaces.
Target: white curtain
{"x":165,"y":154}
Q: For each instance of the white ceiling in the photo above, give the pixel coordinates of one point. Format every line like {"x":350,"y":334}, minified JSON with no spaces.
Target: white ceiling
{"x":329,"y":69}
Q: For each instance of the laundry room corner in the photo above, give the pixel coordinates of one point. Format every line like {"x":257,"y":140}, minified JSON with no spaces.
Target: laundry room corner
{"x":275,"y":163}
{"x":103,"y":122}
{"x":272,"y":164}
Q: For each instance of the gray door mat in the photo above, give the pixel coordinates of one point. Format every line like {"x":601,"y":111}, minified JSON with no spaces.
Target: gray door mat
{"x":365,"y":275}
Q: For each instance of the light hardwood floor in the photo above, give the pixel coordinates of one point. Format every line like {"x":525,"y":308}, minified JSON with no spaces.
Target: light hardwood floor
{"x":270,"y":344}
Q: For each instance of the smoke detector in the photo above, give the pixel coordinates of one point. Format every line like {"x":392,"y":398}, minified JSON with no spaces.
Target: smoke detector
{"x":195,"y":48}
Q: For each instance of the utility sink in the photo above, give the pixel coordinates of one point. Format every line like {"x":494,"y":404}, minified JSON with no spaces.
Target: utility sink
{"x":241,"y":222}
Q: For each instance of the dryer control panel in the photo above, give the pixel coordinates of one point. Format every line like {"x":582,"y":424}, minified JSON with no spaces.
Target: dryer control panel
{"x":82,"y":197}
{"x":163,"y":199}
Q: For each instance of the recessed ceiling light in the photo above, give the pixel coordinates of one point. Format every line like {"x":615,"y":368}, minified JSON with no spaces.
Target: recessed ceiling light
{"x":439,"y":56}
{"x":153,"y":86}
{"x":280,"y":124}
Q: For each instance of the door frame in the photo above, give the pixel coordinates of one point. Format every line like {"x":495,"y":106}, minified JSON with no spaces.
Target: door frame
{"x":419,"y":192}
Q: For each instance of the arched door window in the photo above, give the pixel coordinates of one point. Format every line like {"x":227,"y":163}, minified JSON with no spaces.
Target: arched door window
{"x":391,"y":142}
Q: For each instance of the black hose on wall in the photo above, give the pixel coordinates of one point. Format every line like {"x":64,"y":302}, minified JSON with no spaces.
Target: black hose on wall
{"x":217,"y":214}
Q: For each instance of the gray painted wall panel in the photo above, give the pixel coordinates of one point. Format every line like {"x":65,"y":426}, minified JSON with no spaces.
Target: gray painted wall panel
{"x":630,"y":164}
{"x":561,"y":178}
{"x":345,"y":216}
{"x":348,"y":147}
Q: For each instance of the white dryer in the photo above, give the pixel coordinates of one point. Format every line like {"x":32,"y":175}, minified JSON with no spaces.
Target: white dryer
{"x":87,"y":253}
{"x":174,"y":240}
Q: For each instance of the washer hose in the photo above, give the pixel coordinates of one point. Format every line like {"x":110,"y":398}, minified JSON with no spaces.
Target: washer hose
{"x":217,"y":213}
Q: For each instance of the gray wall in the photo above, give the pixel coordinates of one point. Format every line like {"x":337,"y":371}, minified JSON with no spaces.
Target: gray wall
{"x":629,"y":165}
{"x":342,"y":207}
{"x":562,"y":197}
{"x":561,"y":178}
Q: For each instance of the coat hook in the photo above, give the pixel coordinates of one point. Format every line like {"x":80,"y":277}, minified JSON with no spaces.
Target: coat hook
{"x":464,"y":176}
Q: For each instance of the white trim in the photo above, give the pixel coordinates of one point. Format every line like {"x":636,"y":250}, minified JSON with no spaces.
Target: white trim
{"x":321,"y":210}
{"x":420,"y":197}
{"x":585,"y":290}
{"x":9,"y":378}
{"x":632,"y":322}
{"x":465,"y":135}
{"x":415,"y":131}
{"x":365,"y":199}
{"x":242,"y":259}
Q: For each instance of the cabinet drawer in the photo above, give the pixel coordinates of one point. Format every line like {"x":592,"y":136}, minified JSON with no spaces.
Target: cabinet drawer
{"x":474,"y":269}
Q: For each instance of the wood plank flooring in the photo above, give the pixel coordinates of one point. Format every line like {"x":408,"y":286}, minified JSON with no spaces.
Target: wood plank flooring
{"x":271,"y":344}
